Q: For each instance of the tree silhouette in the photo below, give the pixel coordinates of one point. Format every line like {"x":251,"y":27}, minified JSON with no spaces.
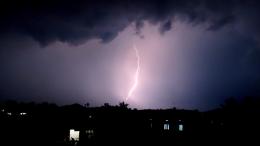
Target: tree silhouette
{"x":123,"y":105}
{"x":230,"y":103}
{"x":86,"y":105}
{"x":107,"y":105}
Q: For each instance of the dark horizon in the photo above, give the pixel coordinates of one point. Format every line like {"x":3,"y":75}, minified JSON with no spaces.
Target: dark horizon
{"x":228,"y":102}
{"x":76,"y":125}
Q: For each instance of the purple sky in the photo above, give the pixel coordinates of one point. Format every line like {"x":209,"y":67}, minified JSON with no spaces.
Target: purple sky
{"x":185,"y":62}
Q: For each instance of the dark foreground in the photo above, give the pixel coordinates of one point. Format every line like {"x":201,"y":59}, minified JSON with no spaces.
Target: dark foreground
{"x":48,"y":124}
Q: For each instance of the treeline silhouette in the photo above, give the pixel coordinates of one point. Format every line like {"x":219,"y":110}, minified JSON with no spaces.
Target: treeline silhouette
{"x":48,"y":124}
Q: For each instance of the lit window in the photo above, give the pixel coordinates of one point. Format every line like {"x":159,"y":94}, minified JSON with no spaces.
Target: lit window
{"x":90,"y":133}
{"x":74,"y":135}
{"x":166,"y":127}
{"x":151,"y":123}
{"x":180,"y":127}
{"x":23,"y":114}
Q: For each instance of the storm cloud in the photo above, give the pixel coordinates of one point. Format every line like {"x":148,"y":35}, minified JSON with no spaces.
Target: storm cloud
{"x":75,"y":22}
{"x":193,"y":53}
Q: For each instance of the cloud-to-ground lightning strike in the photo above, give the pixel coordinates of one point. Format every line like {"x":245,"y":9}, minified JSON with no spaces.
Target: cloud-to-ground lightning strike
{"x":136,"y":74}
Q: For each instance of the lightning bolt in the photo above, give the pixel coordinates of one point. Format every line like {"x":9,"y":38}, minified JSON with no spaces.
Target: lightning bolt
{"x":137,"y":72}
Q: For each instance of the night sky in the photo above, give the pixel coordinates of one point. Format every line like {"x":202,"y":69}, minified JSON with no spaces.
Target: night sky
{"x":193,"y":53}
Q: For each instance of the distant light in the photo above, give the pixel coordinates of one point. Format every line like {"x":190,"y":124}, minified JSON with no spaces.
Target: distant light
{"x":90,"y":116}
{"x":180,"y":127}
{"x":151,"y":122}
{"x":166,"y":120}
{"x":22,"y":114}
{"x":3,"y":110}
{"x":9,"y":113}
{"x":74,"y":135}
{"x":166,"y":127}
{"x":90,"y":133}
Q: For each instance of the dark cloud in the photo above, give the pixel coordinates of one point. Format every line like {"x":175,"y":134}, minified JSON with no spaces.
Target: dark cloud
{"x":165,"y":27}
{"x":77,"y":21}
{"x":139,"y":25}
{"x":216,"y":24}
